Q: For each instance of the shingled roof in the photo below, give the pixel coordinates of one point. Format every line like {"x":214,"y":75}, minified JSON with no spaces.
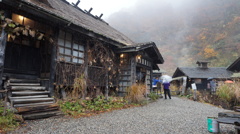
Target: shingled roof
{"x":74,"y":16}
{"x":197,"y":72}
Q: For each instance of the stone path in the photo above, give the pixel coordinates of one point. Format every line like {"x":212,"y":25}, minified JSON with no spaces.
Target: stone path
{"x":175,"y":116}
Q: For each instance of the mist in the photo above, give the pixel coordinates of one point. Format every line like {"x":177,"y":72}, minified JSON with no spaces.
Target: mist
{"x":176,"y":26}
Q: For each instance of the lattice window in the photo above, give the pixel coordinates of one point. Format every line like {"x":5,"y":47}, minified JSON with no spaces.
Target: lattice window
{"x":70,"y":50}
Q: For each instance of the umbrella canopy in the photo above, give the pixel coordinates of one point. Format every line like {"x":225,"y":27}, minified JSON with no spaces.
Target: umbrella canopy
{"x":228,"y":81}
{"x":210,"y":78}
{"x":166,"y":79}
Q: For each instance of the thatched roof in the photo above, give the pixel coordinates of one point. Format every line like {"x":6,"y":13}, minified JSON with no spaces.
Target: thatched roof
{"x":75,"y":16}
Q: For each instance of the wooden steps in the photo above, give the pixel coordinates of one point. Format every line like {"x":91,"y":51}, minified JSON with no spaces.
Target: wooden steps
{"x":32,"y":104}
{"x":41,"y":115}
{"x":30,"y":87}
{"x":31,"y":99}
{"x":24,"y":84}
{"x":25,"y":93}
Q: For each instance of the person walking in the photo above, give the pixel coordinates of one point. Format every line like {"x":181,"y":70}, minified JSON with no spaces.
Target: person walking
{"x":212,"y":85}
{"x":166,"y":90}
{"x":194,"y":88}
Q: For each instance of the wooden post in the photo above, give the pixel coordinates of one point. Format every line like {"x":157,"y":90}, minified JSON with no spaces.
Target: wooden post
{"x":184,"y":85}
{"x":85,"y":69}
{"x":3,"y":40}
{"x":133,"y":69}
{"x":106,"y":89}
{"x":53,"y":67}
{"x":5,"y":103}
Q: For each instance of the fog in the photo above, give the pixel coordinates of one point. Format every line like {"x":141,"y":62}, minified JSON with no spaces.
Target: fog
{"x":170,"y":22}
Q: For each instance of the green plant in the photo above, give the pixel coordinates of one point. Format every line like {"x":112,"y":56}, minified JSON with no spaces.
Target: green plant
{"x":135,"y":93}
{"x":189,"y":96}
{"x":99,"y":104}
{"x":153,"y":96}
{"x":7,"y":122}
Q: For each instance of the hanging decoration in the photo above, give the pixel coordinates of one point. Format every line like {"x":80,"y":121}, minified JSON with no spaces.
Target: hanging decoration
{"x":14,"y":29}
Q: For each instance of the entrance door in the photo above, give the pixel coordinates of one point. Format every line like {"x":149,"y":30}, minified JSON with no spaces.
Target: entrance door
{"x":22,"y":59}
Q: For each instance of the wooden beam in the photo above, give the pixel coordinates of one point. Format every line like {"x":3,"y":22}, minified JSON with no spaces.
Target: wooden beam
{"x":33,"y":109}
{"x":75,"y":5}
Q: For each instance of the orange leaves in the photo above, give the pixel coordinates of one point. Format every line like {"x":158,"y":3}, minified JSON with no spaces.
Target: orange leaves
{"x":209,"y":53}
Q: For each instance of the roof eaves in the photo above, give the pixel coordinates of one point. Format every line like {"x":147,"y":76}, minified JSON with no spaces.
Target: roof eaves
{"x":20,"y":3}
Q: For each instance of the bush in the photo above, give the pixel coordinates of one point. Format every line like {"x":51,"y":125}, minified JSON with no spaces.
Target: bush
{"x":135,"y":93}
{"x":99,"y":104}
{"x":153,"y":96}
{"x":8,"y":121}
{"x":226,"y":93}
{"x":229,"y":92}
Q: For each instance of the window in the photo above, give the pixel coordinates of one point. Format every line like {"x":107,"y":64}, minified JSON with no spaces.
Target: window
{"x":70,"y":50}
{"x":198,"y":81}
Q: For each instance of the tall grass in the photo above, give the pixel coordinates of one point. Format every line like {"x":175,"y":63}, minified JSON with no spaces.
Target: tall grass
{"x":79,"y":86}
{"x":229,"y":92}
{"x":135,"y":93}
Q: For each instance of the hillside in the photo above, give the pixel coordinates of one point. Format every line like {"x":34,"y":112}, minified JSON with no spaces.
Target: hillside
{"x":186,"y":31}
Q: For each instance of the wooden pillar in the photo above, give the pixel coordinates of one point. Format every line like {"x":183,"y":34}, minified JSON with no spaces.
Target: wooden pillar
{"x":151,"y":77}
{"x":53,"y":66}
{"x":133,"y":68}
{"x":3,"y":41}
{"x":106,"y":89}
{"x":85,"y":69}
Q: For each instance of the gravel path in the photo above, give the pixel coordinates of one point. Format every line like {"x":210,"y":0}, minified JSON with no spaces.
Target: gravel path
{"x":175,"y":116}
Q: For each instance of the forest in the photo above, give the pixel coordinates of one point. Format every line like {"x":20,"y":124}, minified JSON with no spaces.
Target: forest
{"x":185,"y":31}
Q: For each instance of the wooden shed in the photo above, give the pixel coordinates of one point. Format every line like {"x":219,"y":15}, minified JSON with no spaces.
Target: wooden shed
{"x":201,"y":74}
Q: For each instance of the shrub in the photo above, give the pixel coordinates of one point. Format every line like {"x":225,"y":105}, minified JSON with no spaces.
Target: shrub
{"x":8,"y":121}
{"x":135,"y":93}
{"x":153,"y":96}
{"x":99,"y":104}
{"x":226,"y":92}
{"x":174,"y":89}
{"x":229,"y":92}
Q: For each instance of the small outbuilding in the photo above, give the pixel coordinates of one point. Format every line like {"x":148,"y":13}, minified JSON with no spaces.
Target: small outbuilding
{"x":202,"y":73}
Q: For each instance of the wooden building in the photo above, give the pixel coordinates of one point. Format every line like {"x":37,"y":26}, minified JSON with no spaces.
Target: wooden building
{"x":235,"y":68}
{"x":137,"y":63}
{"x":49,"y":43}
{"x":201,"y":74}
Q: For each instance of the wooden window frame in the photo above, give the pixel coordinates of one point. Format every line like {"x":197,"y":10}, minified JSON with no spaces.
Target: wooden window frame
{"x":64,"y":36}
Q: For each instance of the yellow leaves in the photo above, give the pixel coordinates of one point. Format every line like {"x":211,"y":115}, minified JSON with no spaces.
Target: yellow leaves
{"x":209,"y":52}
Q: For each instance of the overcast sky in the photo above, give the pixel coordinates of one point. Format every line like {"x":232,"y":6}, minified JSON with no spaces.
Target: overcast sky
{"x":107,"y":7}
